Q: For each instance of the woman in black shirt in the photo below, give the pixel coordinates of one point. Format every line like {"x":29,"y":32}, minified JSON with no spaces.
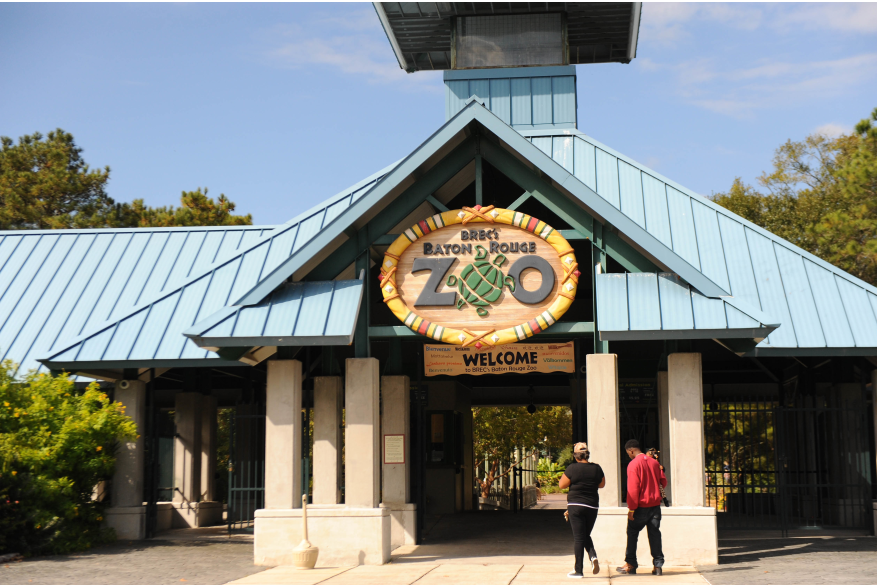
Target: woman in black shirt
{"x":582,"y":502}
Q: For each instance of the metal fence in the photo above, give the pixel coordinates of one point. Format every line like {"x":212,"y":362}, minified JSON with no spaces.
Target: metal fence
{"x":246,"y":471}
{"x":775,"y":467}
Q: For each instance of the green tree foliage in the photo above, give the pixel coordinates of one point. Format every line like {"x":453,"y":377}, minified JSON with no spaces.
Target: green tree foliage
{"x":497,"y":431}
{"x":196,"y":209}
{"x":45,"y":184}
{"x":821,"y":196}
{"x":57,"y":444}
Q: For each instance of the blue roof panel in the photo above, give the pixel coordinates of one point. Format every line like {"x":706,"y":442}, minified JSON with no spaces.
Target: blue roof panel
{"x":764,"y":273}
{"x":295,"y":314}
{"x":663,"y":307}
{"x":60,"y":282}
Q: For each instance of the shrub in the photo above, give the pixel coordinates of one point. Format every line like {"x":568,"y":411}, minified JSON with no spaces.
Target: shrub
{"x":56,"y":444}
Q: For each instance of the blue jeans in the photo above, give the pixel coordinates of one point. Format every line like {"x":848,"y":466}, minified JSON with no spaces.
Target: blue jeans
{"x":650,"y":519}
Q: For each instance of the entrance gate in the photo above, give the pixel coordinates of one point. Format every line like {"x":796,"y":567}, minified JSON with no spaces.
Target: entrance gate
{"x":774,"y":467}
{"x":246,"y":466}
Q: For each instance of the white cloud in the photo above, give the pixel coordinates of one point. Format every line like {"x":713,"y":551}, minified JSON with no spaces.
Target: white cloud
{"x":845,"y":17}
{"x":740,"y":92}
{"x":362,"y":52}
{"x":669,"y":23}
{"x":832,"y":129}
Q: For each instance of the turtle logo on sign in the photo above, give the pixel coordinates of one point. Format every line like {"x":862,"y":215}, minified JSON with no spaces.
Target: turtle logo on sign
{"x":480,"y":283}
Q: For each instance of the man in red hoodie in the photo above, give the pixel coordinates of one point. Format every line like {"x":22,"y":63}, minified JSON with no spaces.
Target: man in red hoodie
{"x":644,"y":481}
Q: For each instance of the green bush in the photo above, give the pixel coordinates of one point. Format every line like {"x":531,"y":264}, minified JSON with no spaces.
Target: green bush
{"x":56,"y":444}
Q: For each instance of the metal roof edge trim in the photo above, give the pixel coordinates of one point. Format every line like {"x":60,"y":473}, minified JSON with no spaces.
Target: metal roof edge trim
{"x":342,"y":194}
{"x":756,"y":314}
{"x":253,"y":341}
{"x":211,"y":321}
{"x":812,"y":352}
{"x":408,"y":165}
{"x":509,"y":72}
{"x":603,"y":208}
{"x":62,"y":231}
{"x":72,"y":366}
{"x":636,"y":15}
{"x":385,"y":23}
{"x":687,"y":334}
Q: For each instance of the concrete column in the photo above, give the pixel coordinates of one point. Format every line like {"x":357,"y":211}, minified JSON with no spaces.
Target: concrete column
{"x":685,"y":403}
{"x":283,"y":435}
{"x":396,"y":489}
{"x":127,"y":488}
{"x":127,"y":514}
{"x":208,"y":448}
{"x":362,"y":468}
{"x":187,"y":447}
{"x":603,"y":427}
{"x":396,"y":419}
{"x":328,"y":403}
{"x":664,"y":425}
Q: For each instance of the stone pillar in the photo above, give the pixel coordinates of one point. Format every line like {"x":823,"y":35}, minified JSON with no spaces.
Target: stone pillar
{"x":328,"y":403}
{"x":127,"y":516}
{"x":603,"y":427}
{"x":362,"y":394}
{"x":283,"y":435}
{"x":685,"y":404}
{"x":396,"y":489}
{"x":396,"y":420}
{"x":664,"y":426}
{"x":187,"y":447}
{"x":208,"y":448}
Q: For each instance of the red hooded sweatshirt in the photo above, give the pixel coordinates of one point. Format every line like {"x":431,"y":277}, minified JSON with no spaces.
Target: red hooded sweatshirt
{"x":643,"y":476}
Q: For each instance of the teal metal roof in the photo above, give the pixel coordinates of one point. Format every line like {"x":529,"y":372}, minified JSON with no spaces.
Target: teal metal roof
{"x":522,"y":97}
{"x":295,"y":314}
{"x":660,"y":306}
{"x":819,"y":307}
{"x":59,"y":284}
{"x":149,"y":333}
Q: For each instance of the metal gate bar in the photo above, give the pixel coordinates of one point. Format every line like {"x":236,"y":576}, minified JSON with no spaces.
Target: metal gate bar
{"x":246,"y":471}
{"x":774,"y":467}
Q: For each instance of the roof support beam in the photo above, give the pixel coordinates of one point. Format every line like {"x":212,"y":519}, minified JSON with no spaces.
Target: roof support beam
{"x":558,"y":329}
{"x":551,"y":198}
{"x":395,"y":213}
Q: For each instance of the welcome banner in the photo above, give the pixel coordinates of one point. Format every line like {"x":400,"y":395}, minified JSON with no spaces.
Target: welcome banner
{"x":442,"y":359}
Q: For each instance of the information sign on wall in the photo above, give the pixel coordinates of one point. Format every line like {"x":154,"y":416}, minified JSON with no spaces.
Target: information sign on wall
{"x":524,"y":357}
{"x":479,"y":277}
{"x":394,"y":449}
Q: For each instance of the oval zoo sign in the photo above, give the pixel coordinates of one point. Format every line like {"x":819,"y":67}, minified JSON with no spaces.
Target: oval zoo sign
{"x":479,"y":276}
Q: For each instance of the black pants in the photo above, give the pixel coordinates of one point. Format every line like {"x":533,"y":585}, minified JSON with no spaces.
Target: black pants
{"x":582,"y":519}
{"x":650,"y":519}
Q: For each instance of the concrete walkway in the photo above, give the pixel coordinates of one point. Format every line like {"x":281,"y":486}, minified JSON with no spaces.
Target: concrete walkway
{"x":461,"y":574}
{"x":480,"y":548}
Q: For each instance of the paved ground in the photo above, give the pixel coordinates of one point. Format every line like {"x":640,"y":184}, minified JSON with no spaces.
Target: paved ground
{"x":807,"y":560}
{"x":479,"y":548}
{"x":403,"y":573}
{"x":177,"y":558}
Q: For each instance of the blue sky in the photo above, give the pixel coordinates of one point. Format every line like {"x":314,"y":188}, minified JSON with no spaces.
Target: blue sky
{"x":282,"y":105}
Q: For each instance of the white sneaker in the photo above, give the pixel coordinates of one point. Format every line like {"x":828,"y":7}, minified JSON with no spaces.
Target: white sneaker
{"x":595,"y":566}
{"x":574,"y":575}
